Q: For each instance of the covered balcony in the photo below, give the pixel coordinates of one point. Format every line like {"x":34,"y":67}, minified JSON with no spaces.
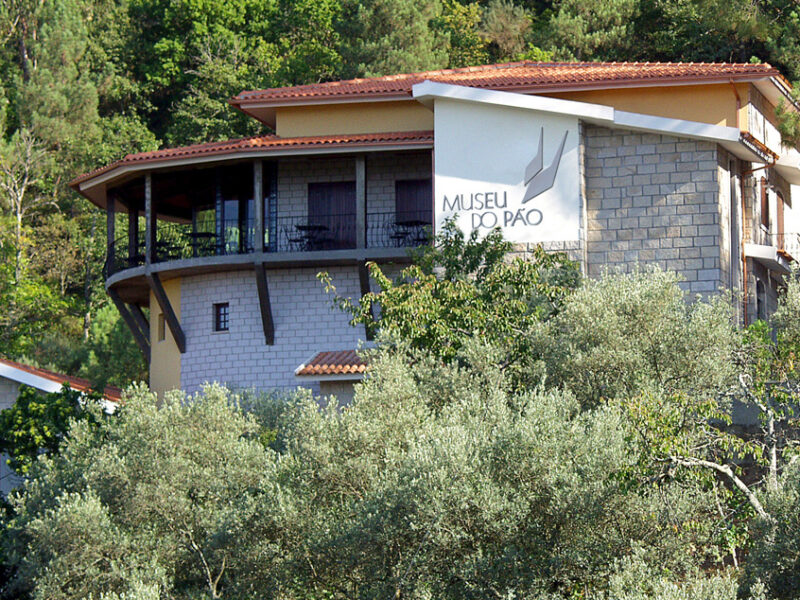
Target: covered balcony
{"x":314,"y":210}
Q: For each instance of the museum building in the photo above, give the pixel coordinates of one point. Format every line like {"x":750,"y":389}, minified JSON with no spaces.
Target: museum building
{"x":619,"y":164}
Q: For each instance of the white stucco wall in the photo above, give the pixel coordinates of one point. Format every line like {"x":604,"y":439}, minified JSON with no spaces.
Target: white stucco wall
{"x":8,"y":395}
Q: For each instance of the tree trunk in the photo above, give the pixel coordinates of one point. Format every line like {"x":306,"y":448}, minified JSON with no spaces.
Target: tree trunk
{"x":18,"y":249}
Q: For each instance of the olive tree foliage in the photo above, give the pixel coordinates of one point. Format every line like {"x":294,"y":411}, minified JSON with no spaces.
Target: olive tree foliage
{"x":160,"y":498}
{"x":467,"y":287}
{"x":774,"y":561}
{"x":494,"y":493}
{"x":625,"y":333}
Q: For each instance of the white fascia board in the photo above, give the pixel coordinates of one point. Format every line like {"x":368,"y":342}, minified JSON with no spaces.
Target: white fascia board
{"x":729,"y":137}
{"x":35,"y":381}
{"x":427,"y":91}
{"x":676,"y":127}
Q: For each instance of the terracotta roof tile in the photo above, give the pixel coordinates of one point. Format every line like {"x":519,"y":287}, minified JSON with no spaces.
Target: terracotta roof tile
{"x":343,"y":362}
{"x":111,"y":393}
{"x":263,"y":143}
{"x":526,"y":75}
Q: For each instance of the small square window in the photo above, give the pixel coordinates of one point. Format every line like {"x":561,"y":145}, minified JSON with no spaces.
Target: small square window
{"x":221,"y":314}
{"x":162,"y":330}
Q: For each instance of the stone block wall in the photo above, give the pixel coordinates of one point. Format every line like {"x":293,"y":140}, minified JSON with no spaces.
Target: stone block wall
{"x":382,"y":170}
{"x":652,"y":199}
{"x":305,"y":323}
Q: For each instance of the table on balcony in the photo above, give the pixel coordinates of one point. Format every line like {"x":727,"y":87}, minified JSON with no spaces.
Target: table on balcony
{"x":409,"y":231}
{"x":314,"y":236}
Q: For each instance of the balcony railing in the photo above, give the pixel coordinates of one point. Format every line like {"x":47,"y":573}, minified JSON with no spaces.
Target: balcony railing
{"x":788,"y":243}
{"x":175,"y":241}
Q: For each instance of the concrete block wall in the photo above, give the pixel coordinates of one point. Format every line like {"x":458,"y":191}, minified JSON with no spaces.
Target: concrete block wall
{"x":382,"y":170}
{"x":652,"y":199}
{"x":305,"y":323}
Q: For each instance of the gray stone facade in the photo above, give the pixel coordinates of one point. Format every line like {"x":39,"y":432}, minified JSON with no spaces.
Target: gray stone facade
{"x":653,"y":199}
{"x":305,"y":323}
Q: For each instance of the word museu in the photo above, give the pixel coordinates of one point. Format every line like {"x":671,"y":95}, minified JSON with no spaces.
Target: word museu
{"x":681,"y":165}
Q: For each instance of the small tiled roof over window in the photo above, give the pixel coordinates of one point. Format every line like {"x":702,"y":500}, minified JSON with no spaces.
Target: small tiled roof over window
{"x":342,"y":362}
{"x":517,"y":76}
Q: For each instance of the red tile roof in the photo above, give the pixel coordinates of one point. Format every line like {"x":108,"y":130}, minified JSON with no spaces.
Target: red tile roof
{"x":343,"y":362}
{"x":111,"y":393}
{"x":265,"y":143}
{"x":518,"y":76}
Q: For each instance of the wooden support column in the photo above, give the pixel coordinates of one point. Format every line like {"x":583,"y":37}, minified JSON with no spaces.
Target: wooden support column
{"x":150,"y":221}
{"x":361,"y":201}
{"x":133,"y":230}
{"x":363,"y":280}
{"x":154,"y":281}
{"x":258,"y":203}
{"x":111,"y":248}
{"x":138,"y":335}
{"x":263,"y":301}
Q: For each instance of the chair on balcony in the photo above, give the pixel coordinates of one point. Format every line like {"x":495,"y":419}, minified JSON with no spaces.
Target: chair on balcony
{"x":295,"y":240}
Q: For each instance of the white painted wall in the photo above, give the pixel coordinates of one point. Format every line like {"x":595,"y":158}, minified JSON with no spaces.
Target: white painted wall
{"x":8,"y":395}
{"x":482,"y":152}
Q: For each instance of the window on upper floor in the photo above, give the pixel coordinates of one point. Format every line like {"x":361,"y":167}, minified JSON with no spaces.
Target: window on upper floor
{"x":221,"y":316}
{"x":162,"y":329}
{"x":331,"y":216}
{"x":413,"y":201}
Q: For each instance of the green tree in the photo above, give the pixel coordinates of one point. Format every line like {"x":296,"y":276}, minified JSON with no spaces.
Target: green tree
{"x":37,"y":423}
{"x":464,"y":288}
{"x":391,"y":36}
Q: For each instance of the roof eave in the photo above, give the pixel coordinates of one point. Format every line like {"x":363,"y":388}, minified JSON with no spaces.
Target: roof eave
{"x":245,"y":104}
{"x":85,"y":185}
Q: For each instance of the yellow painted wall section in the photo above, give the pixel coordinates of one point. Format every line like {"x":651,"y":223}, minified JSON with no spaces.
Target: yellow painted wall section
{"x":165,"y":358}
{"x":359,"y":117}
{"x":714,"y":104}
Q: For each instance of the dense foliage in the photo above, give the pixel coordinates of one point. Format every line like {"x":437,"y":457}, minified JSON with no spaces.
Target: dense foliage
{"x":613,"y":476}
{"x":87,"y":81}
{"x":37,"y":423}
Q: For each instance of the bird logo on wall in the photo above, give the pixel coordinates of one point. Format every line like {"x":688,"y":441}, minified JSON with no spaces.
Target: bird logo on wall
{"x":538,"y":178}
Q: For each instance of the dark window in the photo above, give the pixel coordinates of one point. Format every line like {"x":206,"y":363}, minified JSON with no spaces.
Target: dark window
{"x":413,"y":201}
{"x":764,"y":203}
{"x":332,"y":206}
{"x":221,"y":316}
{"x":162,"y":330}
{"x":761,"y":301}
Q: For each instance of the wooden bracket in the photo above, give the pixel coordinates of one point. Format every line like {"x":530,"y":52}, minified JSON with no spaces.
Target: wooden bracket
{"x":137,"y":313}
{"x":138,"y":335}
{"x":363,"y":279}
{"x":154,"y":281}
{"x":264,"y":303}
